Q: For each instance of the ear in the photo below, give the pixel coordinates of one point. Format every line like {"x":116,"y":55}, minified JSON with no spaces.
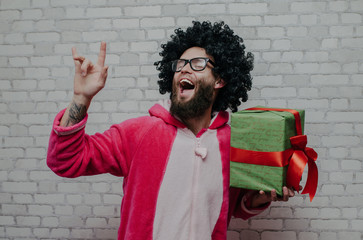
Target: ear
{"x":219,"y":83}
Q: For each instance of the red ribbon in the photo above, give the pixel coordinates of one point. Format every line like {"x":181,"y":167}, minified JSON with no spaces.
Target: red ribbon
{"x":297,"y":157}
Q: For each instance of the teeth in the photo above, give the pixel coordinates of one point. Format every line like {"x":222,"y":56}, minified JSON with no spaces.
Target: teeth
{"x":186,"y":81}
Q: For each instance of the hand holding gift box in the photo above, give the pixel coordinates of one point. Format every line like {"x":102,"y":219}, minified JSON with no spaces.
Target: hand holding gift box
{"x":268,"y":150}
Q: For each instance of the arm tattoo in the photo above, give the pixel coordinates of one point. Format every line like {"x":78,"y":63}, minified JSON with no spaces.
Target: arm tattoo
{"x":76,"y":114}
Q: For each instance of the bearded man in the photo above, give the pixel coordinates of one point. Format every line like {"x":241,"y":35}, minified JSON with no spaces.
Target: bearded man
{"x":175,"y":162}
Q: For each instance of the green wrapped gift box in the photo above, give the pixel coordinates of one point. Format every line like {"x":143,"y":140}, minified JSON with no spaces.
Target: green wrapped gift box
{"x":255,"y":133}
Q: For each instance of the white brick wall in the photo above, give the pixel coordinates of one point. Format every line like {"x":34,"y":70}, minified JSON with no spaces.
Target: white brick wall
{"x":309,"y":54}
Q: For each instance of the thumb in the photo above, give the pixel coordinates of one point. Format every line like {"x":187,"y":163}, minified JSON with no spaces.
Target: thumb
{"x":104,"y":74}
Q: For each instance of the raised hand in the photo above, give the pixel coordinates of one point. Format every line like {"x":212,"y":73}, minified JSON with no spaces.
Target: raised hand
{"x":89,"y":79}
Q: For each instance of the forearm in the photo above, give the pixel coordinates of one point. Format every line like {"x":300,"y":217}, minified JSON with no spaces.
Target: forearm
{"x":75,"y":112}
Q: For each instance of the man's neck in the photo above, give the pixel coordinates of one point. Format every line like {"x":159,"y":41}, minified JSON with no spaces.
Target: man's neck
{"x":198,"y":123}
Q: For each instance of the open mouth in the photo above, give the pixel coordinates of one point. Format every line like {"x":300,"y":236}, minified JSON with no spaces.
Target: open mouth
{"x":185,"y":84}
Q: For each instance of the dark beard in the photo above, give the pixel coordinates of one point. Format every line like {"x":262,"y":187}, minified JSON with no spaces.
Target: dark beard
{"x":196,"y":106}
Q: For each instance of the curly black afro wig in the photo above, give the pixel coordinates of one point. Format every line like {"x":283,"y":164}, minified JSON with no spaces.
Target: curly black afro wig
{"x":233,"y":64}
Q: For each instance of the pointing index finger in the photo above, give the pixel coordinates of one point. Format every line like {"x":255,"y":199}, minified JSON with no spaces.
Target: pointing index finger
{"x":102,"y":54}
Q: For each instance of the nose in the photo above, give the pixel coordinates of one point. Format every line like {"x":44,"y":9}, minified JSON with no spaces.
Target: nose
{"x":186,"y":68}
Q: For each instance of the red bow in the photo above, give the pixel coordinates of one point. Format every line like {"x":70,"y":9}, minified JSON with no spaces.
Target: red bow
{"x":301,"y":156}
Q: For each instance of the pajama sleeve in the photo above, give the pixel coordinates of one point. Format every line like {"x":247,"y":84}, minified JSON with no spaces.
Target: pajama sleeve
{"x":73,"y":153}
{"x":240,"y":204}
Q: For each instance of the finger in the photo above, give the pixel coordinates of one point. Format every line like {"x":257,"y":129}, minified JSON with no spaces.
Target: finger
{"x":104,"y":74}
{"x":273,"y":195}
{"x":85,"y":66}
{"x":102,"y":54}
{"x":285,"y":194}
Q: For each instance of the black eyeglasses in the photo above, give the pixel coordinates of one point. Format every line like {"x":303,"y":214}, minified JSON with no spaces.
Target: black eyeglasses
{"x":197,"y":64}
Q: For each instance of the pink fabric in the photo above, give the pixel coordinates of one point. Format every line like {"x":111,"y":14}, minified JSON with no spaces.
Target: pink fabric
{"x":137,"y":149}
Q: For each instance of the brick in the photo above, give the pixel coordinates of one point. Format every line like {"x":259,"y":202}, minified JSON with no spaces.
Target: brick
{"x":281,"y":20}
{"x":28,"y":221}
{"x":59,"y":233}
{"x":70,"y":221}
{"x":19,"y":61}
{"x":81,"y":233}
{"x":14,"y":38}
{"x":99,"y":36}
{"x":132,"y":34}
{"x":63,"y":210}
{"x":31,"y":14}
{"x":351,"y":18}
{"x":23,"y":198}
{"x":329,"y":79}
{"x":345,"y":117}
{"x":281,"y":68}
{"x":49,"y":198}
{"x":285,"y":235}
{"x":143,"y":11}
{"x":104,"y":210}
{"x":157,"y":22}
{"x":125,"y":23}
{"x":340,"y":104}
{"x":7,"y":220}
{"x":328,"y":236}
{"x":11,"y":73}
{"x":18,"y":175}
{"x":83,"y":210}
{"x":305,"y":44}
{"x":15,"y":4}
{"x":45,"y":61}
{"x":202,"y":9}
{"x":270,"y":32}
{"x":50,"y":222}
{"x":23,"y":187}
{"x":330,"y":213}
{"x":328,"y":224}
{"x":258,"y":44}
{"x":278,"y":92}
{"x":341,"y":30}
{"x":36,"y":73}
{"x":306,"y":213}
{"x":304,"y":104}
{"x":330,"y":43}
{"x":73,"y":187}
{"x":18,"y":232}
{"x":308,"y":236}
{"x":42,"y":210}
{"x":292,"y":56}
{"x":339,"y":152}
{"x":174,"y":10}
{"x":349,"y":213}
{"x":351,"y":235}
{"x":247,"y":8}
{"x":75,"y":12}
{"x":103,"y":12}
{"x":10,"y":14}
{"x":112,"y":199}
{"x":106,"y":233}
{"x":42,"y":37}
{"x":271,"y":56}
{"x":266,"y":224}
{"x":19,"y":107}
{"x":308,"y":19}
{"x":100,"y":187}
{"x":13,"y":209}
{"x":144,"y":46}
{"x":308,"y":7}
{"x":296,"y":224}
{"x":96,"y":222}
